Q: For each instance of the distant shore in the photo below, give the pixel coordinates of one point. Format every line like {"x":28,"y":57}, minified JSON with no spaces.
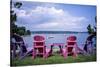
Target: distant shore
{"x":54,"y":32}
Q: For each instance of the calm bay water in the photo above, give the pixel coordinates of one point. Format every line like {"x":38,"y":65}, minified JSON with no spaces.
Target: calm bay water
{"x":56,"y":38}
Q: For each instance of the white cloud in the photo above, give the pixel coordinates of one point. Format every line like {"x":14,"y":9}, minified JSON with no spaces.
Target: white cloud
{"x":22,"y":13}
{"x":47,"y":25}
{"x":50,"y":18}
{"x":47,"y":10}
{"x":78,"y":19}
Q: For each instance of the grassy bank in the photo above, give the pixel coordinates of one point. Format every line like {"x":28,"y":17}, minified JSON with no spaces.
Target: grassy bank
{"x":55,"y":59}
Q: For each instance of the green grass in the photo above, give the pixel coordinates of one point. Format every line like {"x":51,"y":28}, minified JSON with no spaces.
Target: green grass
{"x":56,"y":59}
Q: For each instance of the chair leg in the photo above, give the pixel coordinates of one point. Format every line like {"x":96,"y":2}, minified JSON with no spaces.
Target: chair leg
{"x":33,"y":54}
{"x":14,"y":51}
{"x":65,"y":55}
{"x":45,"y":55}
{"x":75,"y":51}
{"x":21,"y":52}
{"x":74,"y":54}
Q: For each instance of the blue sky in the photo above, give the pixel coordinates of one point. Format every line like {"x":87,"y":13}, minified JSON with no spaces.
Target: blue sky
{"x":39,"y":16}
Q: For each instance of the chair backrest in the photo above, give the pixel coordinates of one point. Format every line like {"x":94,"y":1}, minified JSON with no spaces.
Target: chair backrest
{"x":72,"y":38}
{"x":39,"y":40}
{"x":39,"y":44}
{"x":71,"y":41}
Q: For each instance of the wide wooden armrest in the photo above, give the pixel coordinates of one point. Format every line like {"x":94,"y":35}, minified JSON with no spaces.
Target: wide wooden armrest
{"x":40,"y":41}
{"x":71,"y":41}
{"x":19,"y":42}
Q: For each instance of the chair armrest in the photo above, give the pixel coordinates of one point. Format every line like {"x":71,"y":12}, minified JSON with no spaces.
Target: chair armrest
{"x":19,"y":42}
{"x":40,"y":41}
{"x":71,"y":41}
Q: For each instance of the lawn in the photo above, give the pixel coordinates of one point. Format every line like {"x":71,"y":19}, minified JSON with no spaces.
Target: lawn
{"x":55,"y":59}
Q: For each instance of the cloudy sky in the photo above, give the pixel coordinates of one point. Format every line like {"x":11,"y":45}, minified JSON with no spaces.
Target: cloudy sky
{"x":39,"y":16}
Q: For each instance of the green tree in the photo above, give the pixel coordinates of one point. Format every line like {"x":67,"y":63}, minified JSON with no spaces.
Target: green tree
{"x":95,"y":22}
{"x":17,"y":4}
{"x":13,"y":18}
{"x":90,"y":29}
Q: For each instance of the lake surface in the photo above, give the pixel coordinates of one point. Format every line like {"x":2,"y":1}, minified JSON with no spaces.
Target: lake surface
{"x":57,"y":38}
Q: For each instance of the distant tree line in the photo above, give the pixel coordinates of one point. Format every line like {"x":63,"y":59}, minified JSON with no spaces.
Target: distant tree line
{"x":13,"y":18}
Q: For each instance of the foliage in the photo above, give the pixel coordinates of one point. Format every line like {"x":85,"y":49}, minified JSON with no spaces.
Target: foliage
{"x":17,"y":4}
{"x":90,"y":29}
{"x":13,"y":18}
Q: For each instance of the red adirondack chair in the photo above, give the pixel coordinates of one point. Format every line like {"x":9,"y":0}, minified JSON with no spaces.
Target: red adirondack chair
{"x":71,"y":47}
{"x":40,"y":47}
